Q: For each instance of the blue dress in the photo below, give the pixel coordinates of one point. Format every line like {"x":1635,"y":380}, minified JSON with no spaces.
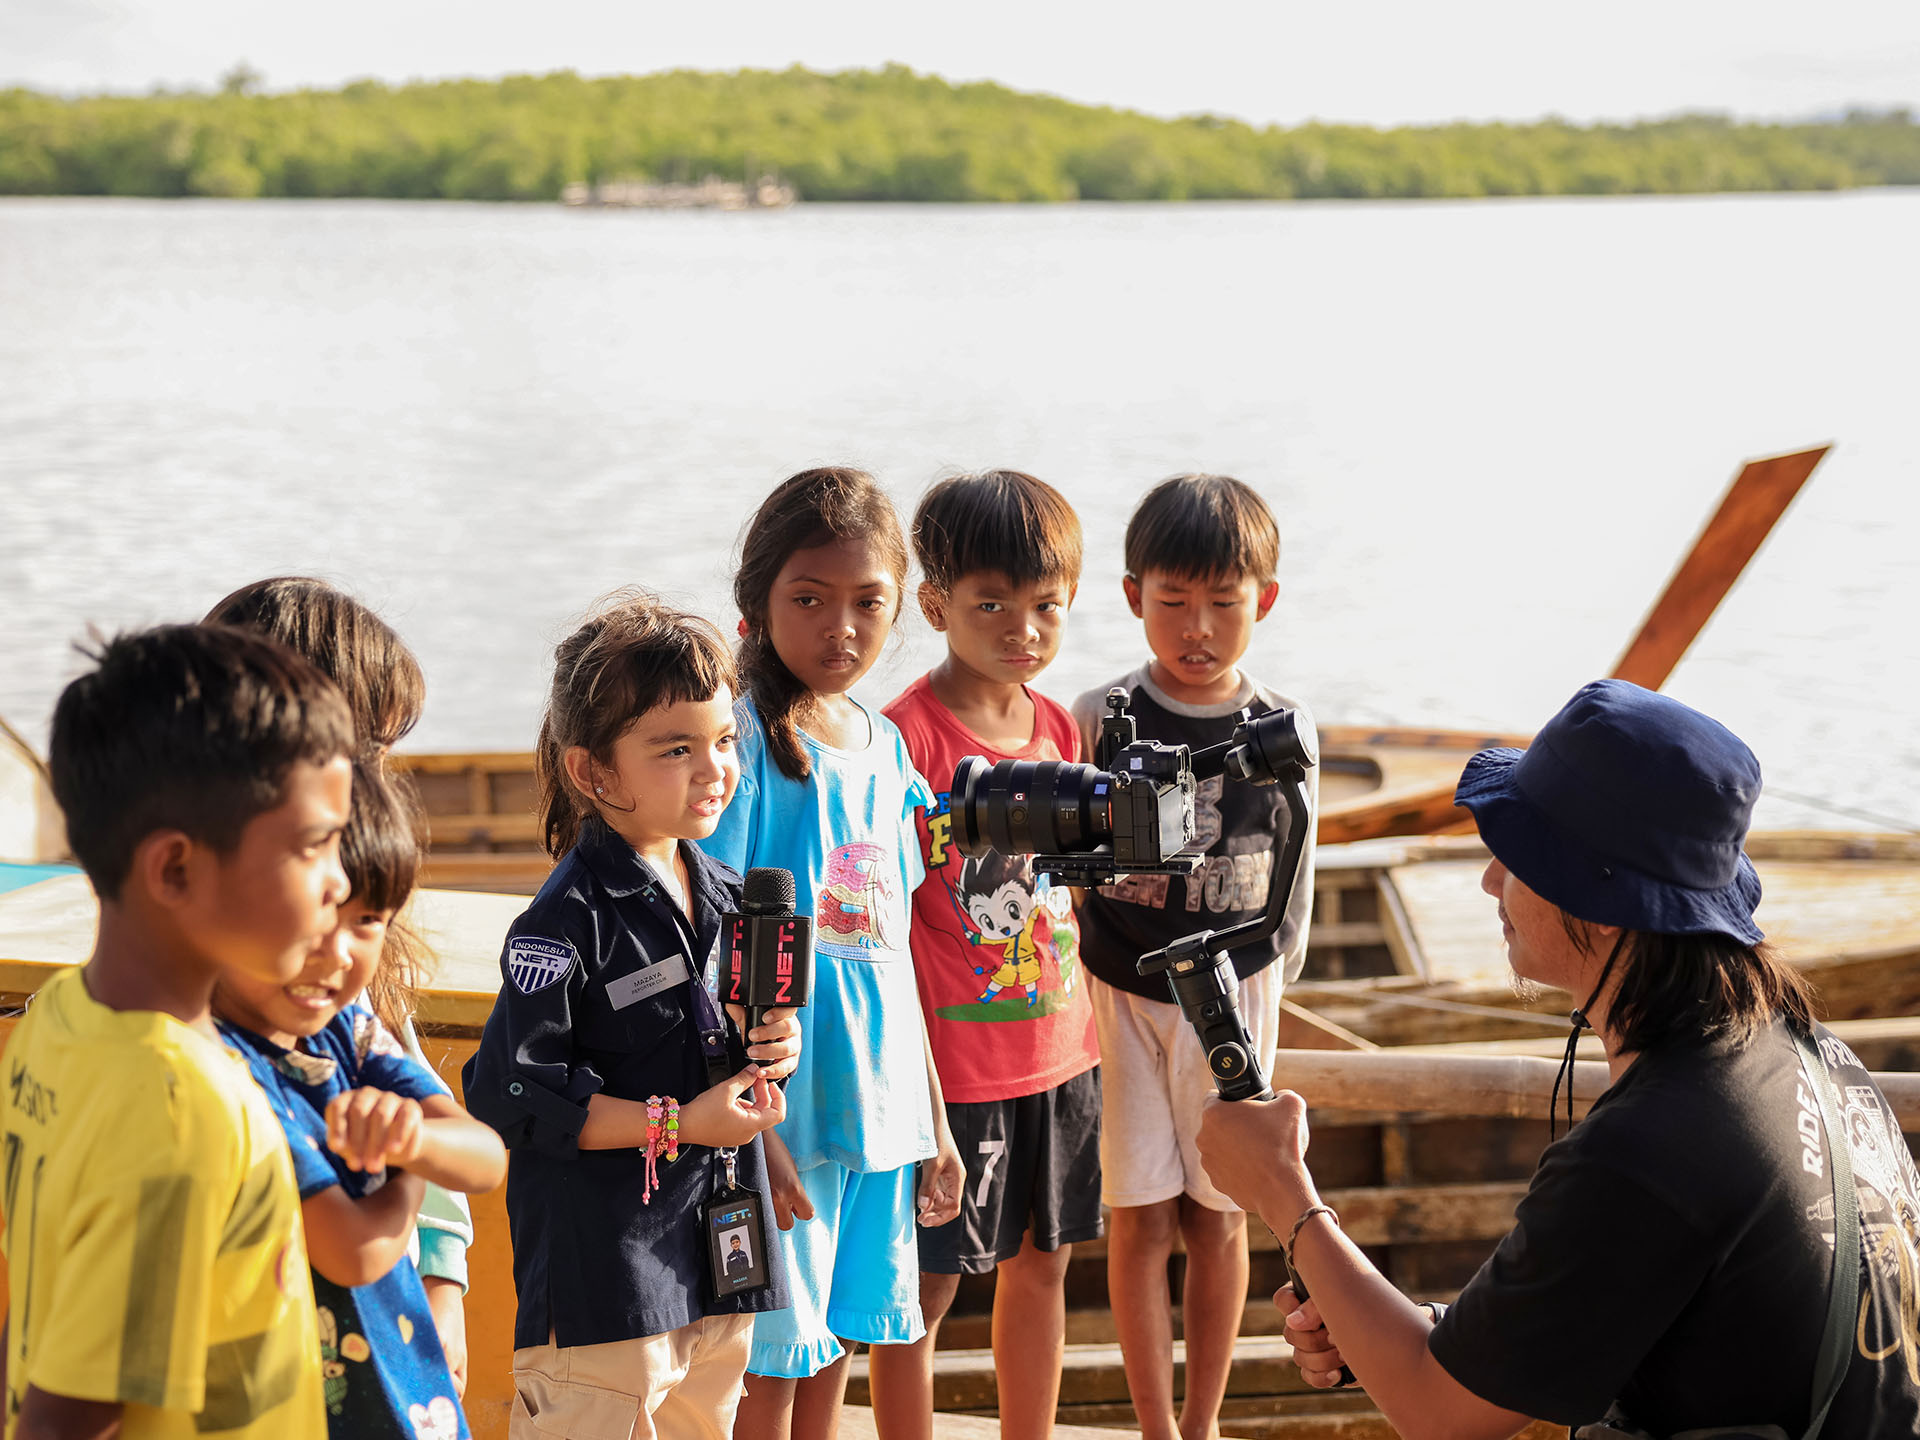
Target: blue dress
{"x":383,"y":1369}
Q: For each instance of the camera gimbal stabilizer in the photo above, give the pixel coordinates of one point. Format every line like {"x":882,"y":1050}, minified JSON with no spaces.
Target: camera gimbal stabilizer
{"x":1199,"y":968}
{"x":1132,"y":814}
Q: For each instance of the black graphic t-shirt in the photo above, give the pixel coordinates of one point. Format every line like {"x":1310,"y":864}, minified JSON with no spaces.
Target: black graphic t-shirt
{"x":1675,"y":1253}
{"x":1238,"y":828}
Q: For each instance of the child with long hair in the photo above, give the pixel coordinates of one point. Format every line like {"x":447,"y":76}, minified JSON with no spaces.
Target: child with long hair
{"x":368,"y":1126}
{"x":828,"y":792}
{"x":631,"y":1108}
{"x":386,"y":691}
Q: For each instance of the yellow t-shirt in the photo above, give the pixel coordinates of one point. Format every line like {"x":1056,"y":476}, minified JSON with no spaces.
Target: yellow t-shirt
{"x":152,"y":1228}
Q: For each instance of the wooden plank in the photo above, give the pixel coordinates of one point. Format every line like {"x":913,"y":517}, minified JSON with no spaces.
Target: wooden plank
{"x":1403,"y":941}
{"x":452,"y":763}
{"x":482,"y":827}
{"x":1301,"y":1029}
{"x":1753,"y":504}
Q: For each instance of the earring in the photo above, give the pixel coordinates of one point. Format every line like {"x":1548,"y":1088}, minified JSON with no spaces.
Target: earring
{"x":599,"y":790}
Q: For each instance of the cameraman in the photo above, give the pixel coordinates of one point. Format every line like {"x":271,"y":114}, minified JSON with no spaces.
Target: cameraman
{"x":1673,"y":1258}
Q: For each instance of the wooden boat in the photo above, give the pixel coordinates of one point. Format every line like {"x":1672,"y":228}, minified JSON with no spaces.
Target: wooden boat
{"x":1374,"y":781}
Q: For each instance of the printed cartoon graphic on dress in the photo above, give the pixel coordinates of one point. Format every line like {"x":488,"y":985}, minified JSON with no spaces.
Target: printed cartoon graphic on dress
{"x":1026,"y":951}
{"x":860,"y":914}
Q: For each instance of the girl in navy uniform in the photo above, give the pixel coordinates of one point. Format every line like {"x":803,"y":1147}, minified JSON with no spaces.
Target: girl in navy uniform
{"x":630,"y":1107}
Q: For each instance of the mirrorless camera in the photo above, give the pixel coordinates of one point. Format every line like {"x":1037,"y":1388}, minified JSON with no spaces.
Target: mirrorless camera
{"x":1131,"y":813}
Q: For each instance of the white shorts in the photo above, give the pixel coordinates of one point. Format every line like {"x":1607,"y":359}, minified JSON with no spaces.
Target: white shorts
{"x":1153,"y":1078}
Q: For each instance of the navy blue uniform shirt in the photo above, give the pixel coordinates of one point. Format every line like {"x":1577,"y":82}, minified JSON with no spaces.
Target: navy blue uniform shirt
{"x":596,"y":994}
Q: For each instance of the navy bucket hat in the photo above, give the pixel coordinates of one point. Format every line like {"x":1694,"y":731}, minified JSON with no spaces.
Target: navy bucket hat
{"x":1628,"y":809}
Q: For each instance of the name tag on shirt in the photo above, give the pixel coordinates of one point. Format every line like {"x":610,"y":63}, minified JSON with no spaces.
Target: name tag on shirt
{"x":648,"y":980}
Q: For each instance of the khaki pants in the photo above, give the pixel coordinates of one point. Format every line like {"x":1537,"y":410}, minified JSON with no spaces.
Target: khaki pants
{"x":684,"y":1385}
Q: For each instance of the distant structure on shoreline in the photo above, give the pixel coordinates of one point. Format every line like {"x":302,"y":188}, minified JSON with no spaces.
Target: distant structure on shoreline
{"x":712,"y":193}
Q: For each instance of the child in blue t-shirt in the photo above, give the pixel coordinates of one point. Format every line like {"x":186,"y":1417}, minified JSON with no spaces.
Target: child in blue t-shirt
{"x":368,"y":1127}
{"x":827,"y":791}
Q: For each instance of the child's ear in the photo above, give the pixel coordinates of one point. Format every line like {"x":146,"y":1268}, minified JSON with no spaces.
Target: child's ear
{"x":933,"y":605}
{"x":163,"y":868}
{"x":1073,"y":592}
{"x":1269,"y":594}
{"x":1132,"y":587}
{"x":578,"y":762}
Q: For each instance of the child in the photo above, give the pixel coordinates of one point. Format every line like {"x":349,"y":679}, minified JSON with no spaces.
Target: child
{"x":367,"y":1126}
{"x":1201,"y":552}
{"x":604,"y":1031}
{"x":385,"y":690}
{"x":996,"y":952}
{"x":156,"y":1275}
{"x":827,"y":791}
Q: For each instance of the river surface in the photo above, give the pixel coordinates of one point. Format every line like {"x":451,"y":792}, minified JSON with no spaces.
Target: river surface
{"x":1488,"y":428}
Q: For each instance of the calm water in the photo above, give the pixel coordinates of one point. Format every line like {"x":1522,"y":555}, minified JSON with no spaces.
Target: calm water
{"x":1489,"y":429}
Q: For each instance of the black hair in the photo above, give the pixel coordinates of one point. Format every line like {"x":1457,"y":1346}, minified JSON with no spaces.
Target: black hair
{"x":1002,"y":522}
{"x":380,"y":851}
{"x":1692,"y":989}
{"x":632,"y":655}
{"x":804,"y":512}
{"x":995,"y":870}
{"x":184,"y":727}
{"x":1200,"y":527}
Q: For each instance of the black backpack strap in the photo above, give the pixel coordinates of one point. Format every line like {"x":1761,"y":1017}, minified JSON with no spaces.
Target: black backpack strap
{"x":1836,"y":1342}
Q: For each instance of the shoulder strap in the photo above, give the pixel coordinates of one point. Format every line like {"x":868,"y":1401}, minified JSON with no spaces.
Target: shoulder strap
{"x":1843,"y":1303}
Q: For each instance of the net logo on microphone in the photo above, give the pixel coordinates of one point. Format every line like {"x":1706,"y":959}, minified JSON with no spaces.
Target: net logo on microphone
{"x":769,"y":947}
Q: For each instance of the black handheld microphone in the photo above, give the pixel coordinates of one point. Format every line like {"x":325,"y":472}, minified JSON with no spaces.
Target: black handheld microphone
{"x":769,"y":948}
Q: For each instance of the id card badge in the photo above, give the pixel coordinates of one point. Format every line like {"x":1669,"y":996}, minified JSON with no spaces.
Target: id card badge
{"x":736,"y":1235}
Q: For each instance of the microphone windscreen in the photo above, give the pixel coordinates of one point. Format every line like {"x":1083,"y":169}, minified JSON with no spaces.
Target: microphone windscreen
{"x":768,"y":892}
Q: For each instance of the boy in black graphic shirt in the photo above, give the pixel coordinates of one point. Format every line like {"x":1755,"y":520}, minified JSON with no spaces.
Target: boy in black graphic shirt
{"x":1201,"y":552}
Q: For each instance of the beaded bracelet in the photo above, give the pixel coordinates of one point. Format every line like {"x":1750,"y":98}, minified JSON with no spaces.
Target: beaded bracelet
{"x":663,"y":1133}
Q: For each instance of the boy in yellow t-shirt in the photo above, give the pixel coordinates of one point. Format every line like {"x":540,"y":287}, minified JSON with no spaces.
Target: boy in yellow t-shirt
{"x":157,"y":1277}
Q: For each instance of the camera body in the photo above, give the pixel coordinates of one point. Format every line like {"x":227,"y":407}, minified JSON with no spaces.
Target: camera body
{"x":1132,"y":813}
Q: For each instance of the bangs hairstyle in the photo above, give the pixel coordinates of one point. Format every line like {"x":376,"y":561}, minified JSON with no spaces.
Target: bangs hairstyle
{"x":381,"y":851}
{"x":808,"y":510}
{"x":1202,"y":527}
{"x":184,"y":727}
{"x":999,"y":522}
{"x":634,"y":654}
{"x":381,"y":846}
{"x":353,"y":647}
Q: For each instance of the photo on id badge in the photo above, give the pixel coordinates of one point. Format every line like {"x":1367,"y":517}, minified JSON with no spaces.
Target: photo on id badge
{"x":736,"y":1242}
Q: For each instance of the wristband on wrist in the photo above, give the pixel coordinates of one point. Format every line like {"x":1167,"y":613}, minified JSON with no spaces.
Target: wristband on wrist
{"x":1306,"y":1215}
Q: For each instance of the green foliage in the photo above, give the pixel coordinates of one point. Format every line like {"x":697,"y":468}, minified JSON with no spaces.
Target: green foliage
{"x":869,"y":135}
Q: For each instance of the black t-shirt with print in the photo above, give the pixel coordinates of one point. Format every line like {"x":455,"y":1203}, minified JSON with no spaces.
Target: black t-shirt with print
{"x":1675,"y":1252}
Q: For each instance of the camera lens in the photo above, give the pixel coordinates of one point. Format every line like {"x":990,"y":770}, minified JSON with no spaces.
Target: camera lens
{"x":1030,"y":807}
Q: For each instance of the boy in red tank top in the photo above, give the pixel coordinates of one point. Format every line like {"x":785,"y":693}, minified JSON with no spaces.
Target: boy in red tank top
{"x":996,"y":952}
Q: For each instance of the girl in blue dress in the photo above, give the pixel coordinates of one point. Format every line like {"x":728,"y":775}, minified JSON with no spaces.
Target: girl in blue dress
{"x":827,"y":791}
{"x":368,"y":1127}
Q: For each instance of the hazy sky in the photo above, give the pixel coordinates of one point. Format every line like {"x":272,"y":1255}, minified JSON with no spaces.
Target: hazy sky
{"x":1265,"y":60}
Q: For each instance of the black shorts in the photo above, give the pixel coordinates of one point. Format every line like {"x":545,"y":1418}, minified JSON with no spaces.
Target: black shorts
{"x":1032,"y":1164}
